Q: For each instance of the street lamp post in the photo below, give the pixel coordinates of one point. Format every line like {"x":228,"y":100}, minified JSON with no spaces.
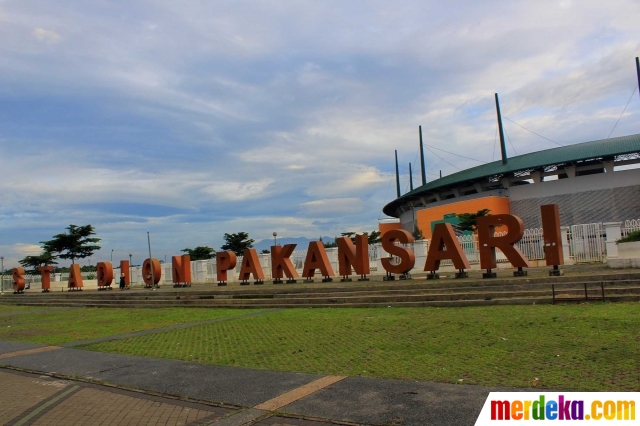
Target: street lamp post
{"x":2,"y":269}
{"x":130,"y":266}
{"x":112,"y":256}
{"x":275,"y":238}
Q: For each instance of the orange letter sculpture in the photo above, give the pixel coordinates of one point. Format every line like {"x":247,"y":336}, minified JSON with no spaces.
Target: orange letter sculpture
{"x":181,"y":270}
{"x":251,"y":266}
{"x":406,"y":256}
{"x":17,"y":275}
{"x":124,"y":269}
{"x":317,"y":259}
{"x":225,"y":260}
{"x":444,"y":237}
{"x":488,"y":243}
{"x":356,"y":257}
{"x":105,"y":275}
{"x":281,"y":265}
{"x":75,"y":277}
{"x":45,"y":274}
{"x":552,"y":237}
{"x":151,"y":279}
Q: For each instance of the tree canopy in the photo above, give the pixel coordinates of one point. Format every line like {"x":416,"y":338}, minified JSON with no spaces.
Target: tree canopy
{"x":76,"y":243}
{"x":237,"y":243}
{"x":469,"y":221}
{"x":31,"y":263}
{"x":200,"y":253}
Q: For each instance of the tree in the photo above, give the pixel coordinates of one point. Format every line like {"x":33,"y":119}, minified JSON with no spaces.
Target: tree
{"x":77,"y":243}
{"x":265,"y":251}
{"x":237,"y":243}
{"x":417,"y":233}
{"x":469,"y":221}
{"x":201,"y":253}
{"x":31,"y":263}
{"x":374,"y":237}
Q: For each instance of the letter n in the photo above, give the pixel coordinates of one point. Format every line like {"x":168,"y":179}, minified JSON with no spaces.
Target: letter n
{"x":444,"y":237}
{"x":350,"y":256}
{"x":181,"y":269}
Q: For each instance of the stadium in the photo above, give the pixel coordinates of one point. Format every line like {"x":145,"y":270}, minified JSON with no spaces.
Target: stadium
{"x":591,"y":182}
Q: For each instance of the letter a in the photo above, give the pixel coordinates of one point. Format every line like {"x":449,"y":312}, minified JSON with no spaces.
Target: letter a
{"x":317,"y":259}
{"x":251,"y":266}
{"x":443,"y":236}
{"x":75,"y":277}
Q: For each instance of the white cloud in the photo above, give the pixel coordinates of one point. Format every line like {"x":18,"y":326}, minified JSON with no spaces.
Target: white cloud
{"x":46,"y":36}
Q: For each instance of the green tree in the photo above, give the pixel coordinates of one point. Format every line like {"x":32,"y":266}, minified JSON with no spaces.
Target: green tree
{"x":200,"y":253}
{"x":265,"y":251}
{"x":77,"y":243}
{"x":31,"y":263}
{"x":373,"y":236}
{"x":469,"y":221}
{"x":237,"y":243}
{"x":417,"y":233}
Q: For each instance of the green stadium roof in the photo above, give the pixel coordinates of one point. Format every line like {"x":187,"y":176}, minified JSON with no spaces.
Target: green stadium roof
{"x":535,"y":160}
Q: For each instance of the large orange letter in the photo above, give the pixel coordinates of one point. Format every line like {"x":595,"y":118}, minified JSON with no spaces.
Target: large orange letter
{"x":146,"y":272}
{"x":281,"y":264}
{"x":225,"y":260}
{"x":407,"y":257}
{"x":251,"y":266}
{"x":17,"y":275}
{"x":551,"y":234}
{"x":45,"y":273}
{"x":444,"y":236}
{"x":488,"y":242}
{"x":105,"y":274}
{"x":181,"y":270}
{"x":350,"y":256}
{"x":317,"y":259}
{"x":124,"y":269}
{"x":75,"y":277}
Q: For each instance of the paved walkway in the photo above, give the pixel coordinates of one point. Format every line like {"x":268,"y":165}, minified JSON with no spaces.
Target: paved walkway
{"x":53,"y":385}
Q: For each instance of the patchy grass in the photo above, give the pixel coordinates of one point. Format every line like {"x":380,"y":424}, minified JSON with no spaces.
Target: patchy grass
{"x":57,"y":327}
{"x":590,"y":347}
{"x":9,"y":309}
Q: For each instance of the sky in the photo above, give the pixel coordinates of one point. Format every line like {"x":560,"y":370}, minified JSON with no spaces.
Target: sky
{"x":193,"y":119}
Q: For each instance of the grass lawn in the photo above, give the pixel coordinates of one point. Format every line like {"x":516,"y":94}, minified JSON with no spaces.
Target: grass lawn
{"x":590,"y":347}
{"x":9,"y":309}
{"x":57,"y":327}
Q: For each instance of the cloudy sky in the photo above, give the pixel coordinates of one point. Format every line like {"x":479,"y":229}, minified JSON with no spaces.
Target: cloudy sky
{"x":196,"y":118}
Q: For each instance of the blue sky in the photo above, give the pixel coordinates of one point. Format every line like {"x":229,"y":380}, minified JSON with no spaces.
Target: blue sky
{"x":195,"y":118}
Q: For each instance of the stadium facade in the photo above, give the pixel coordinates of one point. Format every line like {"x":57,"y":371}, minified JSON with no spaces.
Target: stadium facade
{"x":591,"y":182}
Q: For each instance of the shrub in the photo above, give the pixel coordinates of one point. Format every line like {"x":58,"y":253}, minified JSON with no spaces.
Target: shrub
{"x":630,"y":238}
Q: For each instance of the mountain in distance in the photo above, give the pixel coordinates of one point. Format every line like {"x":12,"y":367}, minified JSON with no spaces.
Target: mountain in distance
{"x":302,"y":242}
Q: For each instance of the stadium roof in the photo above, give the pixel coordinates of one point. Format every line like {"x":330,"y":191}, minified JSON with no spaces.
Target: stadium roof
{"x":539,"y":160}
